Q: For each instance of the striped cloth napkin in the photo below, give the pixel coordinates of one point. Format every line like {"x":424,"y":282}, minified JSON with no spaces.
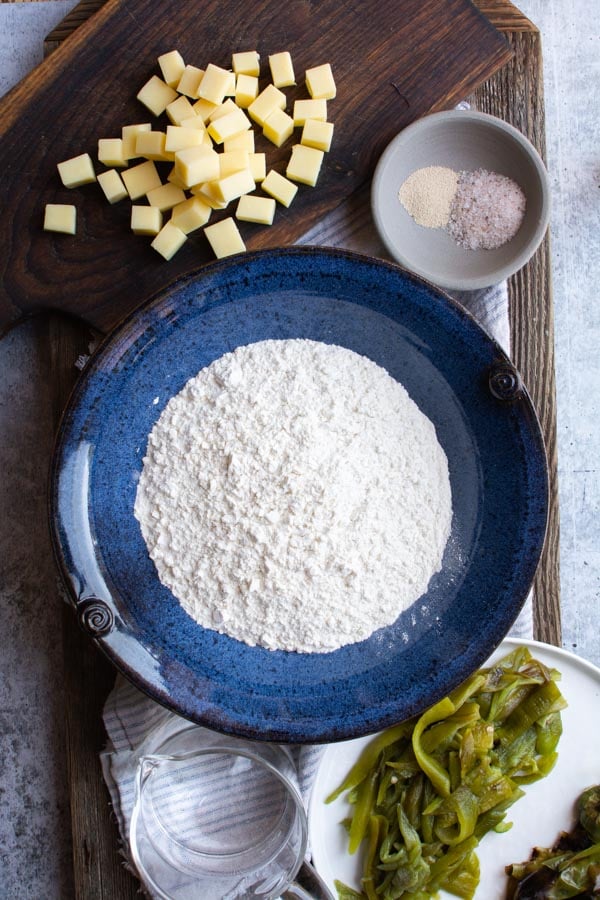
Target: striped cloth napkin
{"x":129,"y":716}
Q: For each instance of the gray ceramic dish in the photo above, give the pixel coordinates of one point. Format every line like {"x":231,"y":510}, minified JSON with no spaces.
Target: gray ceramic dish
{"x":461,"y":140}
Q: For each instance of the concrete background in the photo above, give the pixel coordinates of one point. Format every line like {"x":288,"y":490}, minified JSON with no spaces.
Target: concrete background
{"x":34,"y":823}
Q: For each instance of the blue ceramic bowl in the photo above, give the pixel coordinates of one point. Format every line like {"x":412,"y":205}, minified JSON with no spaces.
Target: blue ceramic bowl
{"x":456,"y":374}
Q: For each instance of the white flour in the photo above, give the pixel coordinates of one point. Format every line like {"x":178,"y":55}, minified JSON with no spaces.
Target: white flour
{"x":294,"y":496}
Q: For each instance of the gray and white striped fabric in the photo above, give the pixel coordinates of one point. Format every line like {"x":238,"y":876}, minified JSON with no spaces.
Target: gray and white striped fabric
{"x":129,"y":715}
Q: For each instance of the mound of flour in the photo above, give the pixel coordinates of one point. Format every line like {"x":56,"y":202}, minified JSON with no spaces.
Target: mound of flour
{"x":294,"y":496}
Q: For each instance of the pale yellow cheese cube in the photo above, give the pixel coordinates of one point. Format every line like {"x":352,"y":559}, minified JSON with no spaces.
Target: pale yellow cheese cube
{"x":195,"y":122}
{"x":304,"y":164}
{"x":151,"y":145}
{"x":282,"y":69}
{"x":278,"y":127}
{"x":190,"y":81}
{"x":112,"y":186}
{"x":173,"y":178}
{"x":267,"y":102}
{"x":310,"y":109}
{"x":179,"y":109}
{"x":146,"y":220}
{"x":230,"y":89}
{"x":196,"y":165}
{"x":129,"y":135}
{"x":214,"y":84}
{"x":224,"y":238}
{"x":191,"y":214}
{"x":61,"y":217}
{"x":210,"y":194}
{"x":178,"y":137}
{"x":246,"y":90}
{"x":228,"y":126}
{"x":222,"y":109}
{"x":204,"y":108}
{"x":172,"y":67}
{"x":257,"y":163}
{"x":279,"y":188}
{"x":169,"y":240}
{"x":156,"y":95}
{"x":165,"y":197}
{"x":110,"y":152}
{"x":320,"y":83}
{"x":233,"y":186}
{"x":251,"y":208}
{"x":242,"y":141}
{"x":317,"y":134}
{"x":140,"y":179}
{"x":247,"y":62}
{"x":76,"y":171}
{"x":233,"y":161}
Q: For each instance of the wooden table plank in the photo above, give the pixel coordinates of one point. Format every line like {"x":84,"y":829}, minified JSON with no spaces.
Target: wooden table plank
{"x":514,"y":94}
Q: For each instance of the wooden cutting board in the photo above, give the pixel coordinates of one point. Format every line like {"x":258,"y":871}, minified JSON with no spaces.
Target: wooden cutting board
{"x":392,"y":61}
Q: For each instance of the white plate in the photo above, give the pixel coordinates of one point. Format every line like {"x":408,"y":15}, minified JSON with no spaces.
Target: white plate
{"x":546,"y":808}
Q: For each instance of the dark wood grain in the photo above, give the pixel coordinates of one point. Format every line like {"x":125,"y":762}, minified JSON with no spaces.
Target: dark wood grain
{"x":393,"y":62}
{"x":516,"y":93}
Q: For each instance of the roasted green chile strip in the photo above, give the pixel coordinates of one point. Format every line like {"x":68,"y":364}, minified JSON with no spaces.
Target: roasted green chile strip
{"x":425,"y":792}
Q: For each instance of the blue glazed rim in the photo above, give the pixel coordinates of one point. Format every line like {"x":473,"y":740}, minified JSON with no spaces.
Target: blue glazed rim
{"x":457,"y":374}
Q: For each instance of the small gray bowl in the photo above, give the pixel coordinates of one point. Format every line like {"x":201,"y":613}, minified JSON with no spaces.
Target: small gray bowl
{"x":461,"y":140}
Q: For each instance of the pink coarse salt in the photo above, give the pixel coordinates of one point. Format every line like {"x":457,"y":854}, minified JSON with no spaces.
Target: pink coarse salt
{"x":487,"y":210}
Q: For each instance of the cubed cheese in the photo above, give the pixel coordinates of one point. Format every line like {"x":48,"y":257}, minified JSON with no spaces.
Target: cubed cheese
{"x":304,"y":164}
{"x":172,"y":67}
{"x":251,"y":208}
{"x":246,"y":62}
{"x":242,"y":141}
{"x":233,"y":186}
{"x":169,"y":240}
{"x":110,"y":152}
{"x":246,"y":90}
{"x":204,"y":108}
{"x":278,"y":127}
{"x":320,"y":83}
{"x":222,"y":109}
{"x":61,"y":217}
{"x":224,"y":238}
{"x":112,"y":186}
{"x":228,"y":126}
{"x":233,"y":161}
{"x":214,"y":84}
{"x":257,"y":163}
{"x":129,"y":135}
{"x":141,"y":179}
{"x":165,"y":197}
{"x":151,"y":145}
{"x":210,"y":194}
{"x":173,"y":178}
{"x":230,"y":89}
{"x":178,"y":138}
{"x":190,"y":81}
{"x":279,"y":188}
{"x":195,"y":165}
{"x":156,"y":95}
{"x":317,"y":134}
{"x":146,"y":220}
{"x":191,"y":214}
{"x":310,"y":109}
{"x":195,"y":122}
{"x":282,"y":69}
{"x":267,"y":102}
{"x":179,"y":109}
{"x":76,"y":171}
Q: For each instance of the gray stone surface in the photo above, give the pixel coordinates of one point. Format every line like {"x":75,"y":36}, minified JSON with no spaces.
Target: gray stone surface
{"x":34,"y":822}
{"x":35,"y":853}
